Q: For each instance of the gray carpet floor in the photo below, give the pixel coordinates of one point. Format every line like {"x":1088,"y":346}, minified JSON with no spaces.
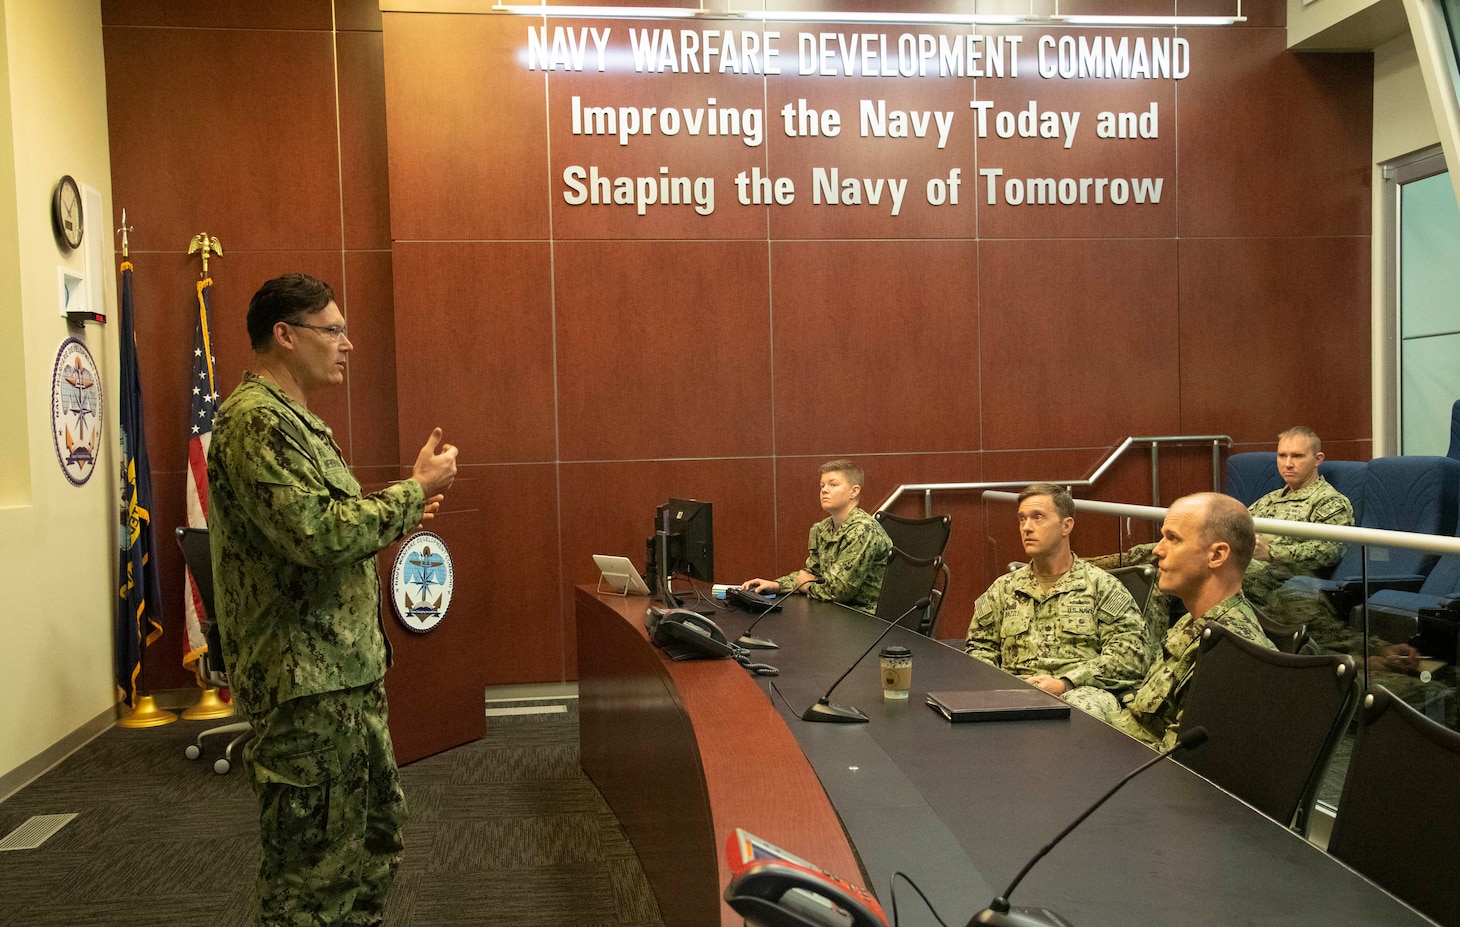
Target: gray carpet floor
{"x":504,"y":831}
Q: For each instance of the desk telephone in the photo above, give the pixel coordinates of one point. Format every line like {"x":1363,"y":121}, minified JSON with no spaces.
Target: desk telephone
{"x":686,"y":634}
{"x":771,"y":888}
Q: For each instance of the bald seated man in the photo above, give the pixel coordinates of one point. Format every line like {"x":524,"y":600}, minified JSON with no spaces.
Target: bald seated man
{"x":1206,"y":544}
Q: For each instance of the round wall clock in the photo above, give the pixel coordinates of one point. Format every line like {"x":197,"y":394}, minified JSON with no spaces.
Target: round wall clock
{"x":66,"y":212}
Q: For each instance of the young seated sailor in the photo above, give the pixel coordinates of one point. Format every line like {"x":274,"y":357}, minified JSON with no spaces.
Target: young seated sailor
{"x":847,"y":551}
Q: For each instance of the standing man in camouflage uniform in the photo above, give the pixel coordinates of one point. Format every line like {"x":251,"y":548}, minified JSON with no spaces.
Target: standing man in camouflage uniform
{"x":1305,"y":496}
{"x":297,"y":602}
{"x":1067,"y":627}
{"x":1206,"y":544}
{"x":848,"y":550}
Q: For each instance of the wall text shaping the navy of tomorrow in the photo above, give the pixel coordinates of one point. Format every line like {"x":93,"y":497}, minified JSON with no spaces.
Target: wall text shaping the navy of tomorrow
{"x":662,"y":53}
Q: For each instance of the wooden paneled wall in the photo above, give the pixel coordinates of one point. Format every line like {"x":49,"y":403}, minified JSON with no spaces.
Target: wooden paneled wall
{"x":262,"y":124}
{"x":591,"y":362}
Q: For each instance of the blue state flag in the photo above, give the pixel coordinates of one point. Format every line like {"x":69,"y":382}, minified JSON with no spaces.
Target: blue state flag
{"x":139,"y":615}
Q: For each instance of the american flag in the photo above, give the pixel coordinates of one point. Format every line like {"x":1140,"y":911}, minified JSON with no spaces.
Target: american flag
{"x":200,"y":433}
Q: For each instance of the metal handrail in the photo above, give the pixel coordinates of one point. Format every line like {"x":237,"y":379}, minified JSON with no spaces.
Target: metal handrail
{"x":1217,"y":441}
{"x":1372,"y":537}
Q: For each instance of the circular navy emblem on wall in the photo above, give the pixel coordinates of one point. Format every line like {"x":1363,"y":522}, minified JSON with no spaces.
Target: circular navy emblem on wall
{"x":421,"y":582}
{"x":76,"y":411}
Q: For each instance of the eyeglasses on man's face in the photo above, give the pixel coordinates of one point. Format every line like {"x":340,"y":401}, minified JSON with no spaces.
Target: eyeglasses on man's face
{"x":332,"y":332}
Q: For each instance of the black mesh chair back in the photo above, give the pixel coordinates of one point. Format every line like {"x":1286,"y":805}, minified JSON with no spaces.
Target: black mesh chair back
{"x":907,"y":580}
{"x":1273,"y":720}
{"x":1287,"y":638}
{"x":926,"y":538}
{"x":1398,"y":820}
{"x":194,"y":544}
{"x":1139,"y":581}
{"x":917,"y":537}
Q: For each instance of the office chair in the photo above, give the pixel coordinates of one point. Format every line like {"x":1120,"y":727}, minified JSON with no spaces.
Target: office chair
{"x":922,"y":537}
{"x":194,"y":544}
{"x":906,"y":580}
{"x":1287,"y":638}
{"x":1274,"y":720}
{"x":1398,"y":819}
{"x":1140,"y":581}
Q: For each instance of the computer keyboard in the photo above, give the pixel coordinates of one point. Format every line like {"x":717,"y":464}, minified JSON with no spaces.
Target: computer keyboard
{"x":752,"y":602}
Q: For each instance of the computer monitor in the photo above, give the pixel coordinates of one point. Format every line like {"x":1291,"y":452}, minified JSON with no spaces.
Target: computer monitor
{"x":685,"y":544}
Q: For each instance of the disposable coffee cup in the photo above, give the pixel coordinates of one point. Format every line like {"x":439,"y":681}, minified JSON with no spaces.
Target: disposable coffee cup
{"x":896,"y":671}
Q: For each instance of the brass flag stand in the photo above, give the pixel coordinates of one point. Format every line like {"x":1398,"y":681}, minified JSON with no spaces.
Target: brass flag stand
{"x":210,"y":704}
{"x":146,"y":714}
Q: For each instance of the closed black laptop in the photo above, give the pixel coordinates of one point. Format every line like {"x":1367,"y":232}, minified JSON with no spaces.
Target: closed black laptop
{"x":1025,"y":703}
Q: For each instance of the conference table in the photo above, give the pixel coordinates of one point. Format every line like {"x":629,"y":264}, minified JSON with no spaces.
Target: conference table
{"x":685,"y":752}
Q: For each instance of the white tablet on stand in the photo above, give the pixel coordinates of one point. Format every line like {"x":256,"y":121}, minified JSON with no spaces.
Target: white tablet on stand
{"x":617,"y":574}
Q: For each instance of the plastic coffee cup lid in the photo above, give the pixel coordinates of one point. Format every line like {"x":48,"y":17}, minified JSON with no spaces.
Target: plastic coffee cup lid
{"x":895,"y":652}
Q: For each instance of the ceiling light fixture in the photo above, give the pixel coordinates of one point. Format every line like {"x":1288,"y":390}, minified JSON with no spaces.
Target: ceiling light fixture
{"x":825,"y":16}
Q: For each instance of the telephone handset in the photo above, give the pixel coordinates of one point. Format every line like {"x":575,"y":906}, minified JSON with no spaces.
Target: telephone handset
{"x":769,"y":887}
{"x":686,"y":634}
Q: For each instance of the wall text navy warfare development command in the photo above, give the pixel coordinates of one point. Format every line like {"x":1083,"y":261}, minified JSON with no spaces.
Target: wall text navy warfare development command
{"x":660,"y":53}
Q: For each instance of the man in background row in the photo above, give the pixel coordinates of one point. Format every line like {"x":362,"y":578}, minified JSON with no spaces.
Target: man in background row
{"x":847,"y":551}
{"x":297,"y":598}
{"x":1065,"y":626}
{"x":1305,"y":496}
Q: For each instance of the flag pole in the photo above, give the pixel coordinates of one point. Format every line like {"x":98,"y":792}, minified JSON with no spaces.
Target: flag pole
{"x":139,"y":579}
{"x":210,"y":704}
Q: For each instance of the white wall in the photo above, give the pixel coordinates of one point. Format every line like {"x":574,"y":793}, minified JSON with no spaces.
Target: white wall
{"x":57,"y":542}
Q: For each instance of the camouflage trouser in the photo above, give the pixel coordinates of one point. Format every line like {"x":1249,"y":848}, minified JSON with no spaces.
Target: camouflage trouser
{"x":1145,"y":728}
{"x":1098,"y":702}
{"x":330,"y":808}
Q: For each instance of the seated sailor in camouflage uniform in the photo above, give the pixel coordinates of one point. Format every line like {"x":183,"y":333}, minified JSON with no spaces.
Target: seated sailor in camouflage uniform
{"x":1309,"y":497}
{"x":847,"y":551}
{"x":1065,"y":626}
{"x":297,"y":602}
{"x":1305,"y":496}
{"x":1206,"y":544}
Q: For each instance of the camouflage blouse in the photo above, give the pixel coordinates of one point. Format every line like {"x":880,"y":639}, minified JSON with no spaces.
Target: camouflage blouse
{"x":297,"y":595}
{"x":849,"y":561}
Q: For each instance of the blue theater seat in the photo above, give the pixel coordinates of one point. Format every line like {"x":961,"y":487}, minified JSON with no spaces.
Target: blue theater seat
{"x":1394,"y":613}
{"x":1252,"y":475}
{"x":1455,"y":431}
{"x":1417,"y":494}
{"x":1350,"y":477}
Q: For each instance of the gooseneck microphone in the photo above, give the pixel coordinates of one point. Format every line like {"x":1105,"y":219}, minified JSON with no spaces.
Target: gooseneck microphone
{"x":824,"y":710}
{"x":1000,"y":914}
{"x":761,"y":643}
